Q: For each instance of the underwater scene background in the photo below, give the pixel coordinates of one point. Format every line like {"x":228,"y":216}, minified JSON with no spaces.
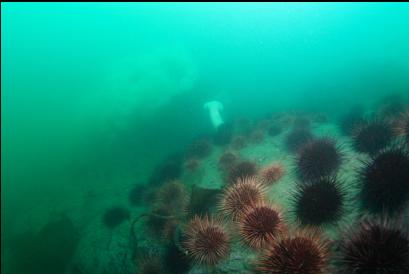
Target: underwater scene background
{"x":204,"y":138}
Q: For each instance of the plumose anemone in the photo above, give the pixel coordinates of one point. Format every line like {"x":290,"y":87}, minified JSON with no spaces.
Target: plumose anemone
{"x":385,"y":181}
{"x":303,"y":253}
{"x":214,"y":108}
{"x":318,"y":158}
{"x":374,"y":247}
{"x":320,"y":202}
{"x":372,"y":136}
{"x":207,"y":241}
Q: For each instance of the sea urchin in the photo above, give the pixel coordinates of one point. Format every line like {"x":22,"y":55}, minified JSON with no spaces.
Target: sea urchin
{"x":371,"y":137}
{"x":402,"y":126}
{"x":242,"y":170}
{"x":385,"y":181}
{"x":260,"y":225}
{"x":272,"y":173}
{"x":304,"y":253}
{"x":237,"y":197}
{"x":375,"y":247}
{"x":319,"y":202}
{"x":297,"y":138}
{"x":318,"y":158}
{"x":206,"y":240}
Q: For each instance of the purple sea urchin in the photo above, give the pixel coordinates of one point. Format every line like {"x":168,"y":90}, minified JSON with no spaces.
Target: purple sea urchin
{"x":374,"y":247}
{"x":318,"y":158}
{"x":372,"y":136}
{"x":297,"y":138}
{"x":385,"y":181}
{"x":320,"y":202}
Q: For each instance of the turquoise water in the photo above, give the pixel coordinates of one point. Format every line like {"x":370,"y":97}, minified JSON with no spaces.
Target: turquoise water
{"x":96,"y":96}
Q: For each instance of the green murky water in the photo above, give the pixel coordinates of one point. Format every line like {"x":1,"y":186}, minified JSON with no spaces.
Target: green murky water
{"x":105,"y":105}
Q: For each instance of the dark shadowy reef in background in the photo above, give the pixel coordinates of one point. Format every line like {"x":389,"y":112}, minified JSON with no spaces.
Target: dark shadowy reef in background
{"x":49,"y":250}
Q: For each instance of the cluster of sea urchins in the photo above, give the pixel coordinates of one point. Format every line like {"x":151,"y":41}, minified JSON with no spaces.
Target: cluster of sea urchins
{"x":319,"y":200}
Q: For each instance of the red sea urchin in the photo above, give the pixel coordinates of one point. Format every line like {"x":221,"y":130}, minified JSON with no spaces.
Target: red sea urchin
{"x":260,"y":225}
{"x":227,"y":160}
{"x":303,"y":253}
{"x":206,"y":240}
{"x":173,"y":195}
{"x":318,"y":158}
{"x":272,"y":173}
{"x":245,"y":192}
{"x":374,"y":247}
